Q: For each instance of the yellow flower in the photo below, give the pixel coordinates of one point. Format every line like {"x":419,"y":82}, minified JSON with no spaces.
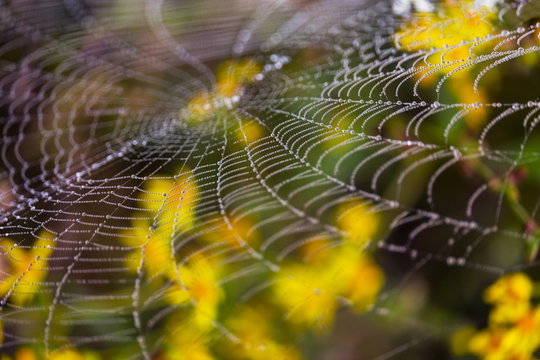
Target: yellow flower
{"x":461,"y":85}
{"x":449,"y":29}
{"x":199,"y":284}
{"x":173,"y":201}
{"x":306,"y":294}
{"x":514,"y":328}
{"x":200,"y":106}
{"x":231,"y":78}
{"x":518,"y":342}
{"x":240,"y":235}
{"x":359,"y":222}
{"x":253,"y":328}
{"x":524,"y":338}
{"x":487,"y":344}
{"x":185,"y":342}
{"x":172,"y":205}
{"x":27,"y":268}
{"x":362,"y":279}
{"x":232,"y":75}
{"x":249,"y":132}
{"x":508,"y":312}
{"x":453,"y":23}
{"x":511,"y":289}
{"x":310,"y":291}
{"x":158,"y":259}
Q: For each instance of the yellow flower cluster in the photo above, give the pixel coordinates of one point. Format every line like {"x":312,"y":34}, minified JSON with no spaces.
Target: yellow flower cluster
{"x":232,"y":76}
{"x":358,"y":222}
{"x":513,"y":330}
{"x":453,"y":23}
{"x":186,"y":342}
{"x":27,"y":268}
{"x":304,"y":293}
{"x":253,"y":327}
{"x":198,"y":284}
{"x":452,"y":30}
{"x":312,"y":291}
{"x":167,"y":207}
{"x":249,"y":132}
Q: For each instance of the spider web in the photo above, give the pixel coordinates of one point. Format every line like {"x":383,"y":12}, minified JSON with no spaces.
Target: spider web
{"x":93,"y":112}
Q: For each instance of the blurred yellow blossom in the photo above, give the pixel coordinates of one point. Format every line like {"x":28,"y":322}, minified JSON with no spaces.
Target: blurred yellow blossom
{"x":449,"y":29}
{"x":27,"y":267}
{"x":518,"y":341}
{"x":231,"y":78}
{"x":513,"y":330}
{"x":173,"y":200}
{"x":249,"y":132}
{"x":305,"y":292}
{"x":186,"y":342}
{"x":508,"y":312}
{"x":198,"y":283}
{"x":234,"y":74}
{"x":311,"y":291}
{"x":510,"y":296}
{"x":487,"y":344}
{"x":158,"y":259}
{"x":200,"y":105}
{"x":240,"y":233}
{"x":253,"y":328}
{"x":171,"y":205}
{"x":452,"y":23}
{"x":511,"y":288}
{"x":359,"y":222}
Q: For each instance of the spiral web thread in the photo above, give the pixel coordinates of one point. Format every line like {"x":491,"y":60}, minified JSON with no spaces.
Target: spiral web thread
{"x":93,"y":110}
